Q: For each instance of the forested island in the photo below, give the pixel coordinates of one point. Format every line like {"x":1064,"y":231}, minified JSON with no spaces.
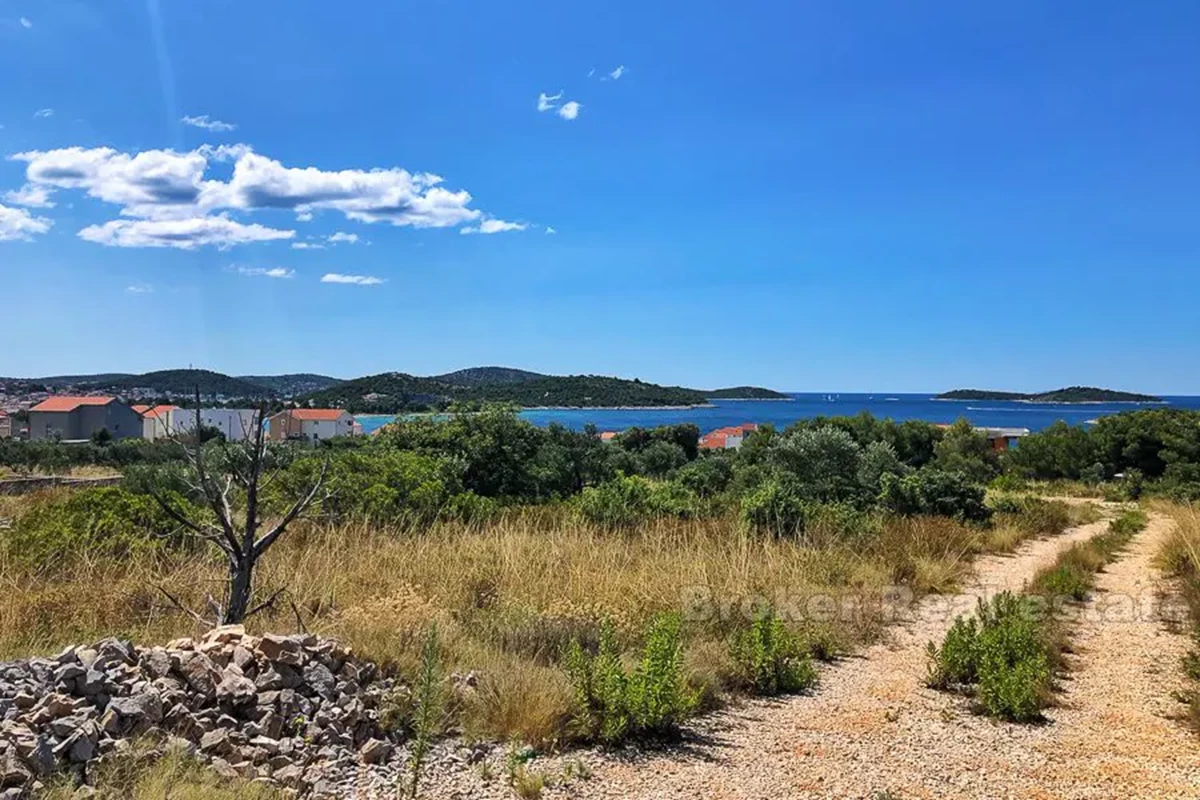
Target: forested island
{"x":388,"y":392}
{"x":746,"y":393}
{"x":1071,"y":394}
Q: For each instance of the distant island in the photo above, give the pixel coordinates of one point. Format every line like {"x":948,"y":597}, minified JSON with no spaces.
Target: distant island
{"x":388,"y":392}
{"x":746,"y":393}
{"x":1071,"y":394}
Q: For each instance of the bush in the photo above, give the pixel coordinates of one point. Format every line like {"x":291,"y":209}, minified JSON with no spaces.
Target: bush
{"x":824,"y":463}
{"x":775,"y":507}
{"x":933,"y":491}
{"x":706,"y":477}
{"x":1005,"y":652}
{"x":771,"y":660}
{"x":104,"y":521}
{"x":660,"y":459}
{"x":621,"y":502}
{"x":611,"y":705}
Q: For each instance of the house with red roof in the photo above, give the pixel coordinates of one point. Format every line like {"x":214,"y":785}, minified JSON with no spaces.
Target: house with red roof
{"x":80,"y":417}
{"x":312,"y":424}
{"x":730,"y":437}
{"x":6,"y":423}
{"x":159,"y":422}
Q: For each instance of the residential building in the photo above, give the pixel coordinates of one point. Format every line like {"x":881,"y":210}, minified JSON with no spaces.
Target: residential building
{"x":727,"y":438}
{"x":608,"y":437}
{"x":235,"y":424}
{"x":312,"y":424}
{"x":74,"y":418}
{"x":6,"y":425}
{"x":159,"y":422}
{"x":1002,"y":439}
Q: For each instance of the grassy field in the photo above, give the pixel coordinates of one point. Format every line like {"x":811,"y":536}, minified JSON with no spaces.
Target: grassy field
{"x":509,"y":596}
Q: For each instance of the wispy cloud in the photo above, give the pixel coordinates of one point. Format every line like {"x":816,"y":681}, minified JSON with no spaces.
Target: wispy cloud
{"x":304,"y":216}
{"x":570,"y":110}
{"x":139,"y":288}
{"x":264,"y":272}
{"x":546,"y":101}
{"x":591,"y":72}
{"x":18,"y":225}
{"x":26,"y":23}
{"x":617,"y":73}
{"x":30,"y":196}
{"x":43,"y":113}
{"x":214,"y":125}
{"x":182,"y":234}
{"x":349,"y":238}
{"x":356,"y":280}
{"x":307,"y":246}
{"x":494,"y":226}
{"x":550,"y":230}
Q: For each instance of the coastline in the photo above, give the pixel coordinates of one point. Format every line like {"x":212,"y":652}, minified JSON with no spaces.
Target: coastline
{"x":1052,"y":402}
{"x":747,"y":400}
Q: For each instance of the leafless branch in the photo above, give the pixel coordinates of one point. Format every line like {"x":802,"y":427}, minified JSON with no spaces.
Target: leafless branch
{"x":175,"y":601}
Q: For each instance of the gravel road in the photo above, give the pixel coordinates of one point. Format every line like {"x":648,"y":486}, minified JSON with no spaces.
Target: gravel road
{"x":873,"y":728}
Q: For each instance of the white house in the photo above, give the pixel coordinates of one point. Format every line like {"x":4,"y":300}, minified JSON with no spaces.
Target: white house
{"x":235,"y":423}
{"x":159,"y":422}
{"x":313,"y":424}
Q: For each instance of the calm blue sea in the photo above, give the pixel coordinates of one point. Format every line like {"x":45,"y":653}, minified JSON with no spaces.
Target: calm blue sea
{"x":805,"y":405}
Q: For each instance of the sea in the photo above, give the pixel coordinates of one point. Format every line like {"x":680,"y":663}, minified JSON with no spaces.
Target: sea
{"x":805,"y":405}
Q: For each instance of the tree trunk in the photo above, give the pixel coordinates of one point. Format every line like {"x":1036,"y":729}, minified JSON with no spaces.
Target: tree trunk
{"x":238,"y":603}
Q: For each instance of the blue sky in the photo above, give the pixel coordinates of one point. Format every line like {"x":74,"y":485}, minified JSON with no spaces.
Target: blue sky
{"x":846,"y":195}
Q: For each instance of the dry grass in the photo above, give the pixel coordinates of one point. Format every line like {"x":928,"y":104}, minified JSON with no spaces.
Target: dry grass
{"x":144,"y":775}
{"x":1180,"y":557}
{"x":509,"y":596}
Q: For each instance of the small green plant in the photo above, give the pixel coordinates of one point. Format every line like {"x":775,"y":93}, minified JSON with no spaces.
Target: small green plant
{"x":427,"y":708}
{"x":528,"y":784}
{"x":611,"y":705}
{"x":771,"y":660}
{"x":576,"y":769}
{"x":1003,"y":653}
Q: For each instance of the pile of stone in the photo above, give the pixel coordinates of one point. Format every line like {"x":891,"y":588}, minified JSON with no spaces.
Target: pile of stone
{"x":299,"y":712}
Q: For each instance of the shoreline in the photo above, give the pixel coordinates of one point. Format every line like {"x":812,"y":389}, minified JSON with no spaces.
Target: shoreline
{"x":543,"y":408}
{"x":1052,"y":402}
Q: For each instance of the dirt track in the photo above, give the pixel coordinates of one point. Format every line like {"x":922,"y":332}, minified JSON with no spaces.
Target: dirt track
{"x":873,"y":727}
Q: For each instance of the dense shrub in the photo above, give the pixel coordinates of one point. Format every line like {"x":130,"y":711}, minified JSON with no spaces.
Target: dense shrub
{"x":771,"y":660}
{"x":965,"y":450}
{"x":621,"y":502}
{"x":1004,"y":653}
{"x":775,"y":507}
{"x":610,"y":704}
{"x":105,"y":521}
{"x":933,"y":491}
{"x":660,"y":459}
{"x":823,"y":464}
{"x":706,"y":477}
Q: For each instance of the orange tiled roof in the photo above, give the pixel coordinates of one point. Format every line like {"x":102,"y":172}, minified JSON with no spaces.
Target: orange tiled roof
{"x":141,"y":409}
{"x":316,"y":414}
{"x":156,"y":412}
{"x":66,"y":403}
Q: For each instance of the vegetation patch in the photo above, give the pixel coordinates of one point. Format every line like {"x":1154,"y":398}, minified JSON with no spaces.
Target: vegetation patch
{"x":1006,"y":654}
{"x":1180,"y":558}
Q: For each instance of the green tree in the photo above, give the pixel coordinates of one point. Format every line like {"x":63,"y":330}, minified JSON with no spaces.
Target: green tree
{"x":966,"y":450}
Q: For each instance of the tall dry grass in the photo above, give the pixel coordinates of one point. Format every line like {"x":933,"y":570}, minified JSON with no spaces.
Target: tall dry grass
{"x":1180,"y":558}
{"x":508,"y":596}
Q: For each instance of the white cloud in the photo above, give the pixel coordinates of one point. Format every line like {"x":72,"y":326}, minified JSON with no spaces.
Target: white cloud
{"x":570,"y":110}
{"x":494,"y":226}
{"x":26,"y":23}
{"x":547,"y":101}
{"x":214,"y":125}
{"x":357,"y":280}
{"x":139,"y":288}
{"x":184,"y":234}
{"x":307,"y":246}
{"x":264,"y":272}
{"x":304,"y":216}
{"x":30,"y":196}
{"x":550,"y":230}
{"x":591,"y":72}
{"x":43,"y":113}
{"x":164,"y":184}
{"x":17,"y":224}
{"x":349,"y":238}
{"x":617,"y":73}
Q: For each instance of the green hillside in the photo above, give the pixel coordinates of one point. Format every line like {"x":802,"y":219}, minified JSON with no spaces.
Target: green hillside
{"x":1071,"y":394}
{"x":746,"y":393}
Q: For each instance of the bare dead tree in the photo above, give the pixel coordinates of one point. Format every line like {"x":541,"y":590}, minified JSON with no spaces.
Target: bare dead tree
{"x":243,"y":542}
